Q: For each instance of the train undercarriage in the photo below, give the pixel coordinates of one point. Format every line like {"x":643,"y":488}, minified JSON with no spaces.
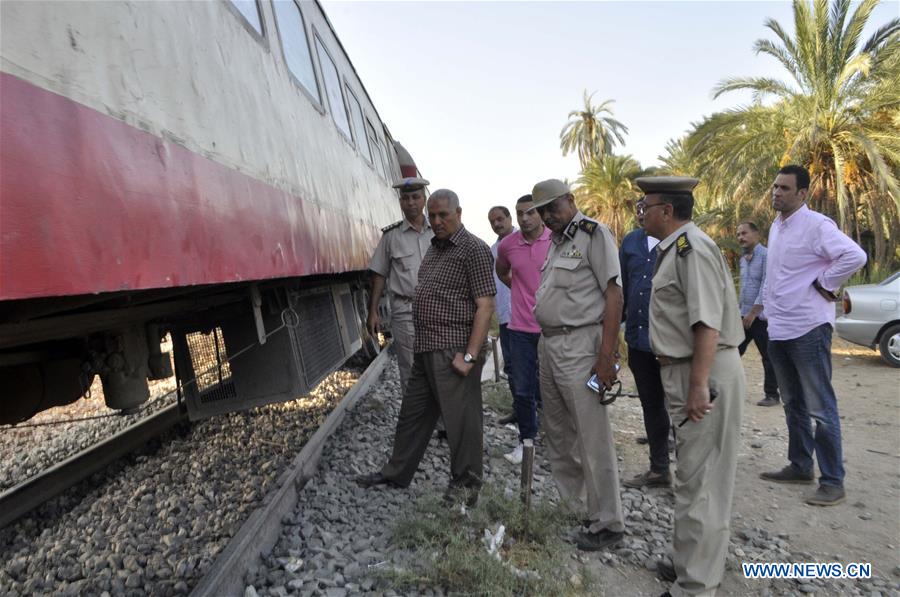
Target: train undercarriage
{"x":235,"y":346}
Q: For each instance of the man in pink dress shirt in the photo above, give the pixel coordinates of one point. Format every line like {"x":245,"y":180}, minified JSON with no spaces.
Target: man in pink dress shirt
{"x":809,"y":259}
{"x":519,"y":259}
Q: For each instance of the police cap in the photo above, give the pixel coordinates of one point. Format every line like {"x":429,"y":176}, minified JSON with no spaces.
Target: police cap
{"x":410,"y":184}
{"x":546,"y":191}
{"x":674,"y":185}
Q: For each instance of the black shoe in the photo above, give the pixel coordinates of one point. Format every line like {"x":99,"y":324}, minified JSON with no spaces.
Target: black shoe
{"x":642,"y":440}
{"x":665,"y":571}
{"x":788,"y":475}
{"x":769,"y":401}
{"x":507,"y":419}
{"x":373,"y":479}
{"x":597,"y":541}
{"x":441,"y":434}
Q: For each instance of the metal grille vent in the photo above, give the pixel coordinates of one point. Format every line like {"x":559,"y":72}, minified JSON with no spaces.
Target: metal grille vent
{"x":318,"y":336}
{"x":350,"y":318}
{"x":210,"y":366}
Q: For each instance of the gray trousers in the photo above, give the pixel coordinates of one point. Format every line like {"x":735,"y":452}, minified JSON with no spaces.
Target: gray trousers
{"x":435,"y":389}
{"x":577,"y":428}
{"x":704,"y":477}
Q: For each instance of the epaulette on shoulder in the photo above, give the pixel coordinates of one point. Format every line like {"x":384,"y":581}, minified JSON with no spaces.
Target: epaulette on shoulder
{"x":588,"y":226}
{"x":683,"y":245}
{"x":390,"y":227}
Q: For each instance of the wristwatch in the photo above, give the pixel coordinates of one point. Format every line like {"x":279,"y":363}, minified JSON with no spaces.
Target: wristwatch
{"x":468,"y":358}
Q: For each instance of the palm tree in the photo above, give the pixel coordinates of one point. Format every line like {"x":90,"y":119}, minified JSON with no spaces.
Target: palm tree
{"x":839,"y":115}
{"x":590,"y":133}
{"x":606,"y":191}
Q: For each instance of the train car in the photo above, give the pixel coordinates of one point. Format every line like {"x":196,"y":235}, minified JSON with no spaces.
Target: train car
{"x":211,"y":170}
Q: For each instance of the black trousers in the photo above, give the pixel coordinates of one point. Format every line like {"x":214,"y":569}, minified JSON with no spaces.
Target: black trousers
{"x":645,"y":369}
{"x":435,"y":389}
{"x":758,"y":332}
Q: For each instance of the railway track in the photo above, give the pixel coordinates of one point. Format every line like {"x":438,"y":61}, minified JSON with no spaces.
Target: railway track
{"x":192,"y":515}
{"x":261,"y":530}
{"x":28,"y":495}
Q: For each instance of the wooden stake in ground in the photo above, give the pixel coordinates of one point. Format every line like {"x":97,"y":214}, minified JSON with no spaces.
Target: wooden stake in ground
{"x":527,"y":478}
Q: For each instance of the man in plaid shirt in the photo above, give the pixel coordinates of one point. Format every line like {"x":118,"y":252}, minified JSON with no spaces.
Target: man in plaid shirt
{"x":452,"y":310}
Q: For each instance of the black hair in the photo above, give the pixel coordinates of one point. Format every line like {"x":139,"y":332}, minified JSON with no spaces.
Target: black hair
{"x":524,"y":199}
{"x":682,"y":204}
{"x":501,"y":208}
{"x":799,"y":172}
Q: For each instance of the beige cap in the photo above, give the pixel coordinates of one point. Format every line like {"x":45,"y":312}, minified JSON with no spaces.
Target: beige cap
{"x":546,"y":191}
{"x":666,"y":184}
{"x":410,"y":184}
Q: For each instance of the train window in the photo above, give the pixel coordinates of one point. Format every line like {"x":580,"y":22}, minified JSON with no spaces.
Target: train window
{"x":333,"y":89}
{"x":295,"y":45}
{"x":249,"y":9}
{"x":361,"y":136}
{"x":377,"y":151}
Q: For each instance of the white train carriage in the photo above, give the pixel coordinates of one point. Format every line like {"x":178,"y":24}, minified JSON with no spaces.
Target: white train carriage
{"x":196,"y":167}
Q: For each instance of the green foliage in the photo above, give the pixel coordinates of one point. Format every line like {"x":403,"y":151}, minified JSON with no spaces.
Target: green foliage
{"x":606,"y":191}
{"x":838,"y":113}
{"x":589,"y":133}
{"x":454,"y":557}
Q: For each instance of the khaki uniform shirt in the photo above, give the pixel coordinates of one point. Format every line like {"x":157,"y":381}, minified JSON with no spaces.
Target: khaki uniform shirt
{"x":691,"y":284}
{"x":580,"y":263}
{"x":397,"y":257}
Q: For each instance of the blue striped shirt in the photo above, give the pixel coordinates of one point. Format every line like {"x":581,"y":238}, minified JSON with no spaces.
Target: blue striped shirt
{"x":753,"y":278}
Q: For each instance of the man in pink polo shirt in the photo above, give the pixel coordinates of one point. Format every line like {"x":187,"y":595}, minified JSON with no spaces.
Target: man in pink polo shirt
{"x":520,"y":256}
{"x":808,"y":260}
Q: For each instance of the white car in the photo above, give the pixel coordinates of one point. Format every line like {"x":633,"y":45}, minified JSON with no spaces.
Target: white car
{"x":872,"y":317}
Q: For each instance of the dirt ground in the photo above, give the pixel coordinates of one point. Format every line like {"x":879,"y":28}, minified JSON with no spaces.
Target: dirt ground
{"x":865,"y":528}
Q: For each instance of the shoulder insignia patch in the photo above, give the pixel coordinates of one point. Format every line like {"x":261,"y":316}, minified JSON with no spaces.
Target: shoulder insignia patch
{"x":572,"y":229}
{"x":390,"y":227}
{"x":588,"y":226}
{"x":683,"y":245}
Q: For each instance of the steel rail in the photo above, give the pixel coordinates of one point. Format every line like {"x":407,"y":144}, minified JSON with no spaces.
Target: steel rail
{"x":31,"y":493}
{"x":261,"y":530}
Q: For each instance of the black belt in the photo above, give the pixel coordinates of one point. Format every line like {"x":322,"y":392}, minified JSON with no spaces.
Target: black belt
{"x":665,"y":361}
{"x":565,"y":329}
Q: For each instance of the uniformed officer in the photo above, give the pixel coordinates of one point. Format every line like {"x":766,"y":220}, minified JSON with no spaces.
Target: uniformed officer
{"x":579,"y":291}
{"x":695,"y":329}
{"x":397,"y":258}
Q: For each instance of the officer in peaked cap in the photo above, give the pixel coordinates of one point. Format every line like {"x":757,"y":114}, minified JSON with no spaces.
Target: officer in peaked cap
{"x":395,"y":264}
{"x":695,"y":329}
{"x":411,"y":184}
{"x":579,"y":307}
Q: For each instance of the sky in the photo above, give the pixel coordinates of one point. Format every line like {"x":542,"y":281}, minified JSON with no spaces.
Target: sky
{"x":478,"y":92}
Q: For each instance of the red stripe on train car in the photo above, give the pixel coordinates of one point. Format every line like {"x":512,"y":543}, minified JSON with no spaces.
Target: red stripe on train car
{"x":90,"y":204}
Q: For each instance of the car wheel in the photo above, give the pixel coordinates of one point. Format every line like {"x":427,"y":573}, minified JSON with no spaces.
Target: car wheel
{"x":890,"y":346}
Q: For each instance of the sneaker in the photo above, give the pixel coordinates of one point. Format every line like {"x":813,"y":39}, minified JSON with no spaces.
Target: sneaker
{"x":826,"y":495}
{"x":515,"y":456}
{"x":597,"y":541}
{"x":649,"y":479}
{"x":788,"y":475}
{"x":507,"y":419}
{"x":769,"y":401}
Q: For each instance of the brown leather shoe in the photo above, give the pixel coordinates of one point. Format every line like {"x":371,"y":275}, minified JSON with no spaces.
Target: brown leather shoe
{"x":649,"y":479}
